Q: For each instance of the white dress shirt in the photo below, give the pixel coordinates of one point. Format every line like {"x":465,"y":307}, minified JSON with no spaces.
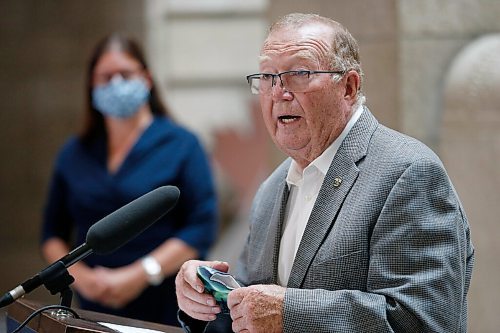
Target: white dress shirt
{"x":304,"y":186}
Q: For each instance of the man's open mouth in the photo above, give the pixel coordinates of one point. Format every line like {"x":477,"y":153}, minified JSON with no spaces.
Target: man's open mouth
{"x":287,"y":119}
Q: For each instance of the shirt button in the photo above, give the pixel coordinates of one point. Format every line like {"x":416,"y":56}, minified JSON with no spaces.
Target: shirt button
{"x":308,"y":198}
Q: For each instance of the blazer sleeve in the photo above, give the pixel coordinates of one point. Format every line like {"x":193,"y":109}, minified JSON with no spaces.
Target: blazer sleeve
{"x":420,"y":260}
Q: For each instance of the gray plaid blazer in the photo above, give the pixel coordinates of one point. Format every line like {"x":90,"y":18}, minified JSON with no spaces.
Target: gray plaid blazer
{"x":387,"y":246}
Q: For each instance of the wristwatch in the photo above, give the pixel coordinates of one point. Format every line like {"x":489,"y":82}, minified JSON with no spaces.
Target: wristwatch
{"x":153,"y":270}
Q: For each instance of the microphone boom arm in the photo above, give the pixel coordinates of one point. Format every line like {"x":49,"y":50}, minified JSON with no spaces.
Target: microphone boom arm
{"x":55,"y":277}
{"x":103,"y":237}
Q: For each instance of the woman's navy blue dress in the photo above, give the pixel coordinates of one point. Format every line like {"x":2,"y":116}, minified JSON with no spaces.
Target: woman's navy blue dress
{"x":82,"y":192}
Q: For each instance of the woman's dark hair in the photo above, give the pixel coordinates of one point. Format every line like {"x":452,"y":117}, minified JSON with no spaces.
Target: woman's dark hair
{"x":93,"y":125}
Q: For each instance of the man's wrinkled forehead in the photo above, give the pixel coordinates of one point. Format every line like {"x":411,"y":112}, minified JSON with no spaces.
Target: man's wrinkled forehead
{"x":304,"y":43}
{"x":300,"y":56}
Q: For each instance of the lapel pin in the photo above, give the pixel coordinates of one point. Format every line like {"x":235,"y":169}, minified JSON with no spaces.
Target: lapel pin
{"x":337,"y":181}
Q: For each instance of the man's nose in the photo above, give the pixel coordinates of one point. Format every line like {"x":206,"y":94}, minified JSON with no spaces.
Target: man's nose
{"x":279,"y":91}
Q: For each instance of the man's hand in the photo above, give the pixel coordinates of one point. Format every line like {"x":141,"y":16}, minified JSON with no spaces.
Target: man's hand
{"x":189,"y":289}
{"x":258,"y":308}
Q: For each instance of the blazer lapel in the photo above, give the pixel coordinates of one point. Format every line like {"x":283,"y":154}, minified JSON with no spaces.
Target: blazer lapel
{"x":276,"y":232}
{"x":335,"y":188}
{"x":269,"y":265}
{"x":339,"y":180}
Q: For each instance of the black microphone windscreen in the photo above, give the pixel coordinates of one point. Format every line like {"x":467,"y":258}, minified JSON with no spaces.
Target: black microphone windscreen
{"x":119,"y":227}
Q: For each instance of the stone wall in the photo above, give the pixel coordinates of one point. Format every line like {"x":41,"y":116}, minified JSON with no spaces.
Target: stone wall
{"x":431,"y":34}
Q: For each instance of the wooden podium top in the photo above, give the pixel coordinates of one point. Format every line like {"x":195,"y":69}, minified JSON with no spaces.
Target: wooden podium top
{"x":88,"y":322}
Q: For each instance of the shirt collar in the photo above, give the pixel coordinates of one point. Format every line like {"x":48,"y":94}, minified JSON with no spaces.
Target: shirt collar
{"x":322,"y":163}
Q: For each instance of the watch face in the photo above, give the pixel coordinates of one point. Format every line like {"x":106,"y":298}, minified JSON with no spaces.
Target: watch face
{"x":153,"y":270}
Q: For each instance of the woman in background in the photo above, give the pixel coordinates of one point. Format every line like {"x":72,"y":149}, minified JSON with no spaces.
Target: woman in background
{"x":128,"y":147}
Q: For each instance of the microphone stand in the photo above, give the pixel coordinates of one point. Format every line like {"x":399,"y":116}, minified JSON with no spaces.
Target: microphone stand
{"x":104,"y":237}
{"x":55,"y":277}
{"x":57,"y":280}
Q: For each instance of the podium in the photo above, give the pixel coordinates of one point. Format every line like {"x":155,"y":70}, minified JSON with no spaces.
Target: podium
{"x":18,"y":311}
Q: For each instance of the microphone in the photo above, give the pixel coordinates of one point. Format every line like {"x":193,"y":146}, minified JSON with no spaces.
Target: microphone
{"x":106,"y":235}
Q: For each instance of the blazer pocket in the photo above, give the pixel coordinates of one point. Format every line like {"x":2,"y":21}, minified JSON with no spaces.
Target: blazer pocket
{"x":346,"y":272}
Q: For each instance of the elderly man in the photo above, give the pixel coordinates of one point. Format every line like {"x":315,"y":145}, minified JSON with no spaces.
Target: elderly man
{"x":360,"y":230}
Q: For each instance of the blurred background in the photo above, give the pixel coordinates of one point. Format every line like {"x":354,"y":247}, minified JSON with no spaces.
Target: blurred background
{"x":432,"y":71}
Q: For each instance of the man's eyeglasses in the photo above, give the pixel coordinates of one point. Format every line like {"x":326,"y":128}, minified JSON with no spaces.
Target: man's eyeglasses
{"x":291,"y":81}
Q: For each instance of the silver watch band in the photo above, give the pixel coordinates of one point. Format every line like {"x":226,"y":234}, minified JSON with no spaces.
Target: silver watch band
{"x":153,"y":270}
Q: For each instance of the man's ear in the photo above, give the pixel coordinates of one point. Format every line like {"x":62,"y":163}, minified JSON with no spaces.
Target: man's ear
{"x":352,"y":86}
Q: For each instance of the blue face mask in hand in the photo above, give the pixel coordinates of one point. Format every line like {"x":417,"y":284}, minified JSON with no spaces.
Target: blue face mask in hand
{"x":120,"y":98}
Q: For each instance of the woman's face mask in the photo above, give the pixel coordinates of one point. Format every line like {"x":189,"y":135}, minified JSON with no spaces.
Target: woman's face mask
{"x":120,"y":98}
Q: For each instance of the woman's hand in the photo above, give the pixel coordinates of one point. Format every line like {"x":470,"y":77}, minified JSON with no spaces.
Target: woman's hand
{"x":87,"y":282}
{"x":120,"y":285}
